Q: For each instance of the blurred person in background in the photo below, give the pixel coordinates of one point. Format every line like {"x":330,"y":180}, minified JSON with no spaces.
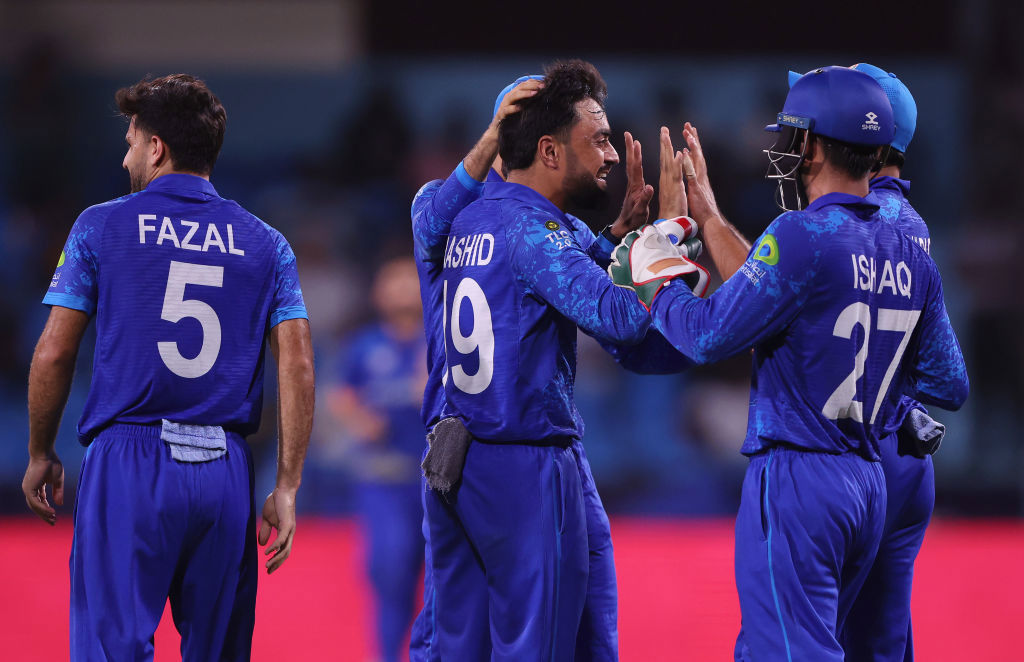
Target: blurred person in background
{"x":377,"y":399}
{"x":165,"y":501}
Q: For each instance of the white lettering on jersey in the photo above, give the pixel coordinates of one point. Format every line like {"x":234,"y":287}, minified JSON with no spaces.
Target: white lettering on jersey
{"x":214,"y":239}
{"x":167,"y":232}
{"x":469,"y":251}
{"x":144,"y":228}
{"x":894,"y":280}
{"x":231,"y":243}
{"x":185,"y":243}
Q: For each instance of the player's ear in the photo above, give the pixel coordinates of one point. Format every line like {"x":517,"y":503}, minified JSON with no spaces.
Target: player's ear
{"x":158,"y":152}
{"x":549,"y":152}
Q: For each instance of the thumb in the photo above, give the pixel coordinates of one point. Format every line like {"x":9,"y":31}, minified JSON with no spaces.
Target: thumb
{"x":264,"y":534}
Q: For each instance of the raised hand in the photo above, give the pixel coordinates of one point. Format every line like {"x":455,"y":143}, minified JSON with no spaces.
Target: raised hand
{"x":671,"y":192}
{"x":636,"y":207}
{"x":700,"y":197}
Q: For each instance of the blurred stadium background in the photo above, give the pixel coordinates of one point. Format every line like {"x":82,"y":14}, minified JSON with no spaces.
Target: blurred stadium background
{"x":339,"y":110}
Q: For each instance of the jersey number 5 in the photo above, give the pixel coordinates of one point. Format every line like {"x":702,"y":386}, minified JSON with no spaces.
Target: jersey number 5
{"x":479,"y":339}
{"x":177,"y":307}
{"x":841,"y":403}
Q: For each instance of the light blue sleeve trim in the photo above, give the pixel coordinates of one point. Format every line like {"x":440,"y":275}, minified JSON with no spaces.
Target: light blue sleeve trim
{"x":288,"y":313}
{"x":70,"y":301}
{"x":467,"y":180}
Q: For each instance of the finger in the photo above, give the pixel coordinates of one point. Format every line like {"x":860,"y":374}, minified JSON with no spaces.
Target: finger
{"x":58,"y":488}
{"x":40,"y":507}
{"x":666,"y":146}
{"x":688,"y":168}
{"x":264,"y":534}
{"x":638,"y":162}
{"x":282,"y":549}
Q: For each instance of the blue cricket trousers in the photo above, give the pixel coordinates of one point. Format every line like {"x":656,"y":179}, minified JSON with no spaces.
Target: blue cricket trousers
{"x":807,"y":532}
{"x":878,"y":628}
{"x":148,"y":527}
{"x":509,"y":555}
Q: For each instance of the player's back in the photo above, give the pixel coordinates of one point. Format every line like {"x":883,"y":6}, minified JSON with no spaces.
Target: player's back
{"x":510,"y":355}
{"x":186,"y":285}
{"x":830,"y":381}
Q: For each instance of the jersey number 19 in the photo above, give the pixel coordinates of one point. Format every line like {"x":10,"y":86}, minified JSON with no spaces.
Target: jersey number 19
{"x":479,"y":339}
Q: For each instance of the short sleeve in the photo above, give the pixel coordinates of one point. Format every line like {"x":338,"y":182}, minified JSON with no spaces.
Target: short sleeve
{"x":287,"y":303}
{"x":74,"y":281}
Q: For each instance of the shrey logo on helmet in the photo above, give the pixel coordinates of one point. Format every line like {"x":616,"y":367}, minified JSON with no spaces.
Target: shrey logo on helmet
{"x":872,"y":123}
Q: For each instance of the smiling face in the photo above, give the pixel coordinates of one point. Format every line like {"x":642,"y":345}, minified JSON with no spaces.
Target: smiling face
{"x":589,"y":157}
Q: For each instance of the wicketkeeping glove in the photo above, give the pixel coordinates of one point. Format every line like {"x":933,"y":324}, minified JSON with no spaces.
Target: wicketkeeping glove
{"x":682,"y":233}
{"x":633,"y":257}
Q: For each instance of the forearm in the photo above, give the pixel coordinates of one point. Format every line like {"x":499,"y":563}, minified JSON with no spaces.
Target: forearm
{"x":49,"y":382}
{"x":296,"y":396}
{"x":480,"y":159}
{"x":654,"y":355}
{"x":726,"y":246}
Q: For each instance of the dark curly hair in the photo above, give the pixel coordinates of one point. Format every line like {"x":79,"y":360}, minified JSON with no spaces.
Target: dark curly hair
{"x":550,"y":112}
{"x":184,"y":113}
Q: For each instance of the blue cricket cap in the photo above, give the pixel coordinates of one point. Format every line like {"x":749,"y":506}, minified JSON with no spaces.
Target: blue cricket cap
{"x":840,"y":103}
{"x":904,"y":108}
{"x":512,"y":86}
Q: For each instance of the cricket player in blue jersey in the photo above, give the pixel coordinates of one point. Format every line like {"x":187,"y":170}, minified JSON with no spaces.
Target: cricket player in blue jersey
{"x":477,"y":612}
{"x":845,"y":314}
{"x":377,"y":399}
{"x":879,"y":624}
{"x":433,"y":210}
{"x":186,"y":287}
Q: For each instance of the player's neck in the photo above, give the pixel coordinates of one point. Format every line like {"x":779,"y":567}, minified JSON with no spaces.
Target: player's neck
{"x":828,"y":180}
{"x":889,"y":171}
{"x":541,"y":181}
{"x":170,"y":170}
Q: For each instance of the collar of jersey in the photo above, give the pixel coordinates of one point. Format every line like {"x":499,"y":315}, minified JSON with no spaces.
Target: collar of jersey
{"x":846,"y":200}
{"x":891,"y":184}
{"x":180,"y":182}
{"x":499,"y":190}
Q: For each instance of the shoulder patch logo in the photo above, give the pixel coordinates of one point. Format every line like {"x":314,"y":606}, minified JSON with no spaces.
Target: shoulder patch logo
{"x":60,"y":262}
{"x":551,"y":225}
{"x":767,"y":251}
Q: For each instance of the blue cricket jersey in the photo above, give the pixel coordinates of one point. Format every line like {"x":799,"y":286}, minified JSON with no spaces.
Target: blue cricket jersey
{"x":433,"y":210}
{"x":845,"y":314}
{"x":185,"y":286}
{"x":386,"y":373}
{"x":516,"y":284}
{"x":894,"y":208}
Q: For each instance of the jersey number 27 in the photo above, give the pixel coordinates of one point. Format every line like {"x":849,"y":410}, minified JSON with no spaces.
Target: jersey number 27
{"x":841,"y":403}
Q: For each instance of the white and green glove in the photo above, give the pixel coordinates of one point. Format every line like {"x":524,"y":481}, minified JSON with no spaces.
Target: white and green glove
{"x":633,"y":260}
{"x":682,"y":233}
